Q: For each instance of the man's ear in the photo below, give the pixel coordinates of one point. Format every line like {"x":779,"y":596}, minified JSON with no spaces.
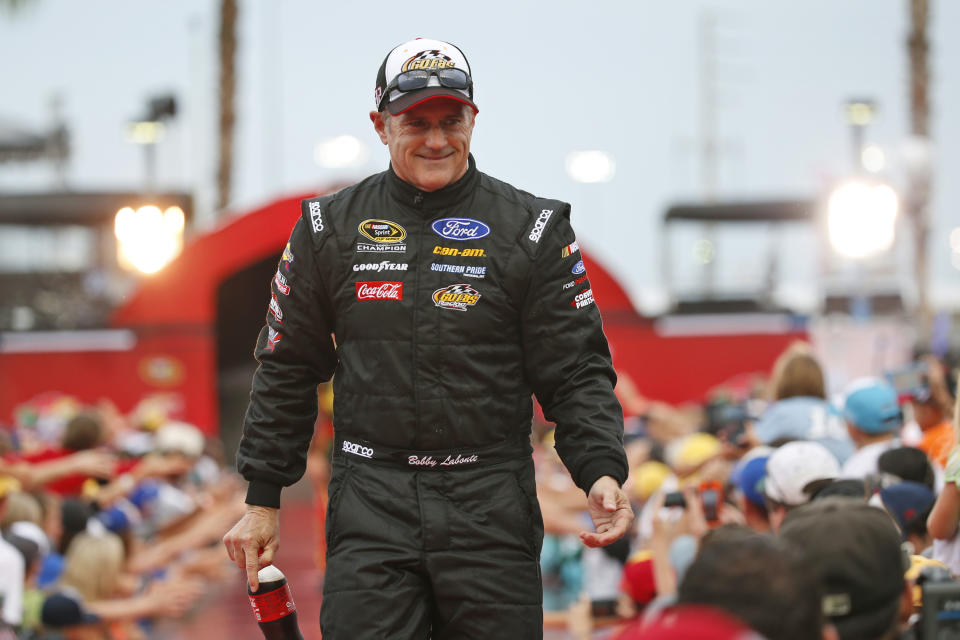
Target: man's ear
{"x":379,"y":125}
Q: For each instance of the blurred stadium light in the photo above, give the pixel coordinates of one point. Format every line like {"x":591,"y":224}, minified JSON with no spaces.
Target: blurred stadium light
{"x":341,"y":152}
{"x":148,"y":239}
{"x":873,"y":158}
{"x":590,"y":166}
{"x":861,"y":218}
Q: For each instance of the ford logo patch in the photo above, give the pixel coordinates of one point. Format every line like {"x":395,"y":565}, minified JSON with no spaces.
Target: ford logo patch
{"x":460,"y":229}
{"x":579,"y":268}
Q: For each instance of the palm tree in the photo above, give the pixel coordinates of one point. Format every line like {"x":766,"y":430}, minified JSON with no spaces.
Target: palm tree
{"x":228,"y":49}
{"x":14,"y":5}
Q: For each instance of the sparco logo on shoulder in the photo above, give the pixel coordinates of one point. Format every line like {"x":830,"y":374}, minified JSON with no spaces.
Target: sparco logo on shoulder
{"x":539,"y":225}
{"x":379,"y":290}
{"x":461,"y":229}
{"x":316,"y":217}
{"x":357,"y":449}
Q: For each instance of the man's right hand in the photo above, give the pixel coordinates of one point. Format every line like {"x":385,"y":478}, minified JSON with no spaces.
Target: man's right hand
{"x":253,"y":541}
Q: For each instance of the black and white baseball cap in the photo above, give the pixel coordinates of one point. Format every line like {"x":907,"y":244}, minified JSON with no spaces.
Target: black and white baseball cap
{"x":427,"y":55}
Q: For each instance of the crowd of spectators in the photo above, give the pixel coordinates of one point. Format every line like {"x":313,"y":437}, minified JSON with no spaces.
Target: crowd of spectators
{"x":110,"y":523}
{"x":778,"y":511}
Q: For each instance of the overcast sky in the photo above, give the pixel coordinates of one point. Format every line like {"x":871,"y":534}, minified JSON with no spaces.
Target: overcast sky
{"x":551,"y":78}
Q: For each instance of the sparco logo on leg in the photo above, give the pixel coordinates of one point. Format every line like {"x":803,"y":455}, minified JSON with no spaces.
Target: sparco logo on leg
{"x":357,"y":449}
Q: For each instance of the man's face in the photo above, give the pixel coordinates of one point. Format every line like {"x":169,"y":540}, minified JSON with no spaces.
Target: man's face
{"x":429,"y":143}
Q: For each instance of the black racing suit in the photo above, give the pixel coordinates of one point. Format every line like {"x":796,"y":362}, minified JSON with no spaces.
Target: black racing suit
{"x":440,"y":314}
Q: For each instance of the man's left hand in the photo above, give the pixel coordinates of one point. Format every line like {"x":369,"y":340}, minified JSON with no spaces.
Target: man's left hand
{"x":610,"y":510}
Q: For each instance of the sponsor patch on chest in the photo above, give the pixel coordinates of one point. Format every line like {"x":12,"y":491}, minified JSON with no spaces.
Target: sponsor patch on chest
{"x":458,"y":297}
{"x":469,"y":270}
{"x":379,"y":290}
{"x":460,"y":229}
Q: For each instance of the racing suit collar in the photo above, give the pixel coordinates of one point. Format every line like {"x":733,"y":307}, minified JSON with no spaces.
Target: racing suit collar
{"x":451,"y":194}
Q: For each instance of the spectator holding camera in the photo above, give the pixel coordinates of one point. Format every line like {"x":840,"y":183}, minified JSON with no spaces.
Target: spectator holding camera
{"x":931,"y":411}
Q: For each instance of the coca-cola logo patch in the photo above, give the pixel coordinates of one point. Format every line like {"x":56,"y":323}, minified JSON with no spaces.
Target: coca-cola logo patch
{"x":379,"y":290}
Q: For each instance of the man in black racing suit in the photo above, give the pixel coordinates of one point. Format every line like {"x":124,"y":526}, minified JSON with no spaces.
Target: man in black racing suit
{"x":442,"y":299}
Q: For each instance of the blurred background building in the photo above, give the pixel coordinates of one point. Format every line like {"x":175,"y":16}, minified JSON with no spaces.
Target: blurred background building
{"x":741,"y":175}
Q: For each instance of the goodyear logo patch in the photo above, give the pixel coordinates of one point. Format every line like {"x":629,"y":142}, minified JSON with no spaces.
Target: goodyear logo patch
{"x":382,"y":231}
{"x":456,"y":296}
{"x":429,"y":59}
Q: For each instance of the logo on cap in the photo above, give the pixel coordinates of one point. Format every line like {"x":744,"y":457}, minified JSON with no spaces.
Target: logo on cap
{"x":429,"y":59}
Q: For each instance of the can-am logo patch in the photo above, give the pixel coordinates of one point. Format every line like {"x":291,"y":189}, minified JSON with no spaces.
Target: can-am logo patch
{"x":457,"y":297}
{"x":379,"y":290}
{"x":461,"y":229}
{"x":382,"y":231}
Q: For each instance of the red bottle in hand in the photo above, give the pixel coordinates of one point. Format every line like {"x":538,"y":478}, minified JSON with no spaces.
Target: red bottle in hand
{"x":273,"y":606}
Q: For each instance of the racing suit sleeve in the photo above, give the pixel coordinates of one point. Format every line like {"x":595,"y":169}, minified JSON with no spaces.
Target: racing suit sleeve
{"x":568,"y":361}
{"x":296,"y":353}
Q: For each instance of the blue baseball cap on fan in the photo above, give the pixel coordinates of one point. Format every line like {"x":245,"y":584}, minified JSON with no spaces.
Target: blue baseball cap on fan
{"x":907,"y":502}
{"x":749,"y":476}
{"x":871,"y":406}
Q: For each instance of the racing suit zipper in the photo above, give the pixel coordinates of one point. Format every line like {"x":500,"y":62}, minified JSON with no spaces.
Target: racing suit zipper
{"x":417,"y":202}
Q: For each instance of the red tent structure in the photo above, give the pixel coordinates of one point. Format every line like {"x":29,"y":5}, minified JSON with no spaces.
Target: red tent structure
{"x":188,"y":332}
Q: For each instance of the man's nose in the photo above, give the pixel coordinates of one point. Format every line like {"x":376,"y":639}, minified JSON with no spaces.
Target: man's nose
{"x":436,"y":138}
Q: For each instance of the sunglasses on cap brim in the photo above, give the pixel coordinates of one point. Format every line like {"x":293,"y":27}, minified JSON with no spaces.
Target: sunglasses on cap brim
{"x":417,"y":79}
